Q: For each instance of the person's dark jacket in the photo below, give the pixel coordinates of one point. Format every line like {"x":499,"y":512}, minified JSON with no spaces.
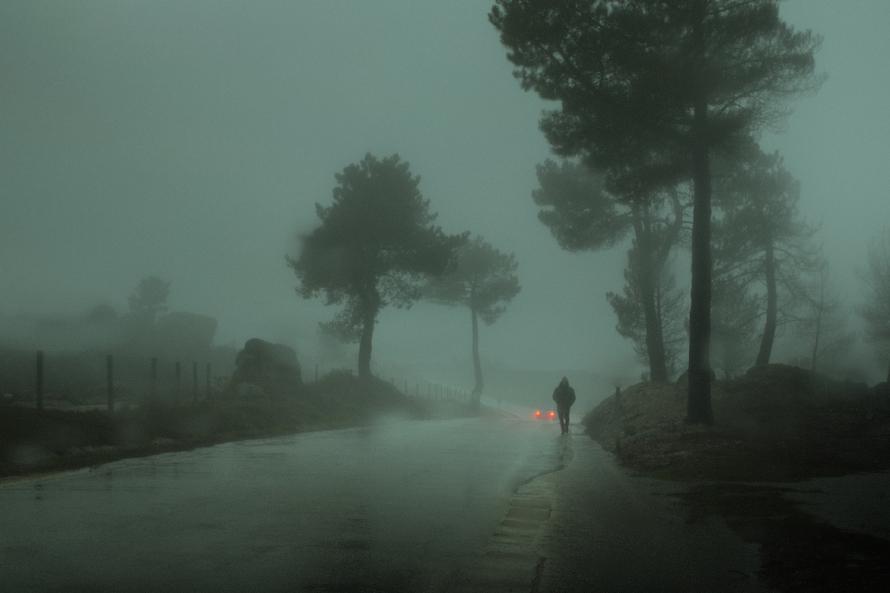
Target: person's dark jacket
{"x":564,"y":395}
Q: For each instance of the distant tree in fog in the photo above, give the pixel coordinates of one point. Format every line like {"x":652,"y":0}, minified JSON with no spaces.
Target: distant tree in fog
{"x":735,"y":313}
{"x":376,"y":246}
{"x":149,"y":299}
{"x":484,"y":280}
{"x":583,"y":214}
{"x":760,"y":242}
{"x":876,"y":312}
{"x":652,"y":86}
{"x":822,"y":323}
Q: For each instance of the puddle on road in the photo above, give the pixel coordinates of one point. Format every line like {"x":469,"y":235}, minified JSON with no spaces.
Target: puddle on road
{"x":798,"y":553}
{"x":553,"y":459}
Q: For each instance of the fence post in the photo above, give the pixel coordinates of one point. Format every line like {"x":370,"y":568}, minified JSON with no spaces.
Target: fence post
{"x":153,"y":386}
{"x":207,"y":381}
{"x":109,"y":381}
{"x":178,"y":381}
{"x":39,"y":380}
{"x":194,"y":382}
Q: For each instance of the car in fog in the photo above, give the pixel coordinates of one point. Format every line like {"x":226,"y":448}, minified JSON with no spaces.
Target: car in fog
{"x":548,"y":415}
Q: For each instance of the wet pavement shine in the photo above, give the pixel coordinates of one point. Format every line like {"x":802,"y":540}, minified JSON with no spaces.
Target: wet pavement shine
{"x":400,"y":506}
{"x":489,"y":505}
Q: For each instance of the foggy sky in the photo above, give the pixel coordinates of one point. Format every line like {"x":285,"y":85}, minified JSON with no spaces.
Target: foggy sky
{"x":190,"y":139}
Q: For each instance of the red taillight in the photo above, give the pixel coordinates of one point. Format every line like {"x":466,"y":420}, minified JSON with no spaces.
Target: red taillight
{"x":537,"y":413}
{"x":551,"y":414}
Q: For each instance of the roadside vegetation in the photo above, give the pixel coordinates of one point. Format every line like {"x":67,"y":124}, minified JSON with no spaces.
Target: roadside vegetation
{"x":774,"y":423}
{"x":34,"y":441}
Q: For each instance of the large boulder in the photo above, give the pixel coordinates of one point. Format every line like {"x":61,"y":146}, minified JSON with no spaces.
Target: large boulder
{"x":271,"y":367}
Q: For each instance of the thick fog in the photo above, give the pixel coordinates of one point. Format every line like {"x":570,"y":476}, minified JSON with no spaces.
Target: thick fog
{"x":191,"y":140}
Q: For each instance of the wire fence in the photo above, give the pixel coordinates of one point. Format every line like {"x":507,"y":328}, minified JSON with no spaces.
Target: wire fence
{"x":110,"y":381}
{"x":106,"y":382}
{"x":411,"y":385}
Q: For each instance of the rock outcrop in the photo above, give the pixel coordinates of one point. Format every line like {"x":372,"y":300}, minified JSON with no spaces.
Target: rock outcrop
{"x":273,"y":368}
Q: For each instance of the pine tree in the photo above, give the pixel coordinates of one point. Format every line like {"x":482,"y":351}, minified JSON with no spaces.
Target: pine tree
{"x":376,"y":246}
{"x":583,"y":214}
{"x":653,"y":89}
{"x":484,"y":281}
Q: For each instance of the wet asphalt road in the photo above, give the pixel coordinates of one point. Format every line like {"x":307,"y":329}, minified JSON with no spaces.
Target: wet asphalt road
{"x":461,"y":506}
{"x":404,"y":506}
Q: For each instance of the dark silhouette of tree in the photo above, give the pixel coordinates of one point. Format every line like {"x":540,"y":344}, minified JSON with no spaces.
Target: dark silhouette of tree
{"x":583,"y":214}
{"x":876,"y":312}
{"x":577,"y":208}
{"x":149,"y":299}
{"x":760,"y":239}
{"x":484,"y":280}
{"x":735,"y":313}
{"x":669,"y":307}
{"x":650,"y":89}
{"x":376,"y":246}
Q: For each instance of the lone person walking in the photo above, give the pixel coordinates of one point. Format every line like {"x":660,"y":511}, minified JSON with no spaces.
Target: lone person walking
{"x":564,"y":396}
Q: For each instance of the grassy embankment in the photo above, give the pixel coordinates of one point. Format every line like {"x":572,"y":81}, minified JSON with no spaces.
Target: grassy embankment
{"x":775,"y":423}
{"x":32,"y":441}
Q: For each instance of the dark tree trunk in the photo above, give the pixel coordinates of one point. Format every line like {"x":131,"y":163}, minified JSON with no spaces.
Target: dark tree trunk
{"x":698,"y":406}
{"x":364,"y":347}
{"x":477,"y":365}
{"x":769,"y":328}
{"x":699,"y":396}
{"x":647,"y":279}
{"x":815,"y":354}
{"x":818,"y":333}
{"x":655,"y":341}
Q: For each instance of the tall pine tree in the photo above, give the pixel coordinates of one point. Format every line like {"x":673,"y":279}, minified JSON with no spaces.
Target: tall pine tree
{"x":649,"y":89}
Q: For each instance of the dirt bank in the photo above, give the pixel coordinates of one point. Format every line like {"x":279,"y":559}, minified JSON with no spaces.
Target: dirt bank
{"x":775,"y":423}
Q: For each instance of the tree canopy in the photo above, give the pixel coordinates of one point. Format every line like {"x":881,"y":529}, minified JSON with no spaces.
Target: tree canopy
{"x":629,"y":74}
{"x":648,"y":90}
{"x":760,"y":238}
{"x":375,"y":246}
{"x":484,"y":280}
{"x":582,"y":213}
{"x":577,"y":208}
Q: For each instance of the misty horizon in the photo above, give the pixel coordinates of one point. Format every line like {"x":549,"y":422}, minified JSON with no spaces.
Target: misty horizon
{"x":164,"y":139}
